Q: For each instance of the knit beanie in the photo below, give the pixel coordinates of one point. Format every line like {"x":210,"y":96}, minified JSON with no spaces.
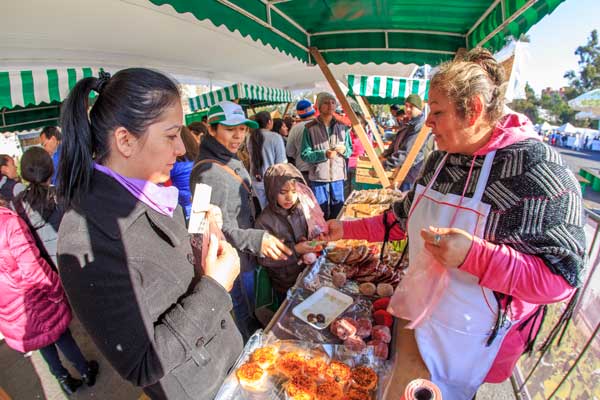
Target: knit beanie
{"x":304,"y":109}
{"x":322,"y":97}
{"x":415,"y":100}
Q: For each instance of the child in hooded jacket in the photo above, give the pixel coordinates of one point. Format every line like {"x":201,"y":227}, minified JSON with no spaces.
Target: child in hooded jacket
{"x":290,"y":217}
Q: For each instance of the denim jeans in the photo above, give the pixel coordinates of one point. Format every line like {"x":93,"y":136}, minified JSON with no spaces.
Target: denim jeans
{"x":242,"y":296}
{"x":330,"y":196}
{"x":69,"y":348}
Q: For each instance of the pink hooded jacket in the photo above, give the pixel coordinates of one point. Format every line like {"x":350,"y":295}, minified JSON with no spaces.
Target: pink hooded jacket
{"x":498,"y":267}
{"x":34,"y":311}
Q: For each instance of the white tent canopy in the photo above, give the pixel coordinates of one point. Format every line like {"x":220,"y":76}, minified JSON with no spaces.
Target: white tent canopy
{"x":119,"y":33}
{"x":567,"y":128}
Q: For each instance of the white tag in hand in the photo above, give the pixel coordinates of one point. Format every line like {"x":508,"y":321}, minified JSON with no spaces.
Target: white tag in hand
{"x":200,"y":206}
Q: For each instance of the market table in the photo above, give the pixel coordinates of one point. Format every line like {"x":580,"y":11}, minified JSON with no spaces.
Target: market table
{"x":407,"y":362}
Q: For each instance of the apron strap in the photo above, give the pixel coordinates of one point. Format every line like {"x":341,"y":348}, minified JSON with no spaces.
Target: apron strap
{"x":484,"y":175}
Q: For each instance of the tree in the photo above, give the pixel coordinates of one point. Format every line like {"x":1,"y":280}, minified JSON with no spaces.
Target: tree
{"x":588,"y":76}
{"x":528,"y":106}
{"x":556,"y":103}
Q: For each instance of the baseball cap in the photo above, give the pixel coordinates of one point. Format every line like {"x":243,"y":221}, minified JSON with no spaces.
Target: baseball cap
{"x":229,"y":114}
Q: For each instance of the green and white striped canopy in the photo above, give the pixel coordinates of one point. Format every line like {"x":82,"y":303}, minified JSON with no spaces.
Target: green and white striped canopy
{"x":34,"y":87}
{"x":248,"y":95}
{"x":386,"y":89}
{"x":31,"y":99}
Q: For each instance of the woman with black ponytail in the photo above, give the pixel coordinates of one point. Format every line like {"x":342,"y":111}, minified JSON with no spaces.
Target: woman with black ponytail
{"x":37,"y":204}
{"x":124,"y":254}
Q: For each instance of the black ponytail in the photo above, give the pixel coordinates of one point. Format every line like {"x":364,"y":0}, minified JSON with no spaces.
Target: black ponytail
{"x":256,"y":143}
{"x":134,"y":98}
{"x":37,"y":169}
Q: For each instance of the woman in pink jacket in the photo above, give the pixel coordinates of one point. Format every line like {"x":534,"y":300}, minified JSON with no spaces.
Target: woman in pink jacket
{"x":495,"y":230}
{"x":34,"y":312}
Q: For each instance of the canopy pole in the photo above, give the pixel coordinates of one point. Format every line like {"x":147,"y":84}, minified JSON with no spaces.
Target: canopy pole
{"x":368,"y":111}
{"x":358,"y":129}
{"x":287,"y":108}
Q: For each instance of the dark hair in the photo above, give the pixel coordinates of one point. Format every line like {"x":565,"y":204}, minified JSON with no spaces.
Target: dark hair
{"x":204,"y":118}
{"x":191,"y":146}
{"x":395,"y":107}
{"x":134,"y":98}
{"x":256,"y":142}
{"x":277,"y":124}
{"x":50,"y":132}
{"x":4,"y":160}
{"x":37,"y":169}
{"x":288,"y":121}
{"x":198,"y":128}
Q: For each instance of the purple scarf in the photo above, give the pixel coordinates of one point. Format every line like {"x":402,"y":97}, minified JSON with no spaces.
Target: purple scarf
{"x":162,"y":199}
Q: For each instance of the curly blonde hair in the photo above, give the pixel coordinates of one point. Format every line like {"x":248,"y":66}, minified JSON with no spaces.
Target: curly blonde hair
{"x":478,"y":73}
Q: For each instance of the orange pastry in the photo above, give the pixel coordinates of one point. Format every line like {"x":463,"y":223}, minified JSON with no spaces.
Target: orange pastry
{"x":291,"y":364}
{"x":316,"y":367}
{"x":338,"y":372}
{"x":364,"y":378}
{"x":330,"y":391}
{"x":264,"y":356}
{"x":357,"y":394}
{"x":301,"y":387}
{"x":251,"y":376}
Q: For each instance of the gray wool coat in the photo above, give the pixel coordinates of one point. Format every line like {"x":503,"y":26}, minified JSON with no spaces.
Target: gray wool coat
{"x":128,"y":273}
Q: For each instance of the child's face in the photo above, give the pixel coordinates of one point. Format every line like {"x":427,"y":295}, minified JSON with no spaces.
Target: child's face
{"x":287,"y":196}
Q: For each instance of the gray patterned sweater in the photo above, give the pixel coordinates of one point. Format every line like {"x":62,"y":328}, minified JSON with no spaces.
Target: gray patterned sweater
{"x":535,"y":200}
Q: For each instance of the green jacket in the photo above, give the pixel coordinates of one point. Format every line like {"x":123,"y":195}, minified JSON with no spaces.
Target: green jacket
{"x":317,"y":139}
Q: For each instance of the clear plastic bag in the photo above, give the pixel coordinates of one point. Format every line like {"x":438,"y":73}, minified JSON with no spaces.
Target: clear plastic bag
{"x":315,"y":218}
{"x":420,"y":289}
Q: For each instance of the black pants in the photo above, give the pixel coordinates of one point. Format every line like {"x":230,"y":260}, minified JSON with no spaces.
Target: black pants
{"x":69,"y":348}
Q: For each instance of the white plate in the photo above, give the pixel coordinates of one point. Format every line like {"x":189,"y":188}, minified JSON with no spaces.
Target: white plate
{"x":327,"y":301}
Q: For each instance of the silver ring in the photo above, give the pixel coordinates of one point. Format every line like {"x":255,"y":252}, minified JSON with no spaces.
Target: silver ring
{"x":436,"y":239}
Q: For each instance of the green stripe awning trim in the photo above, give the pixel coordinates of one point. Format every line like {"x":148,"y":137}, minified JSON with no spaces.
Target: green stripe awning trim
{"x":386,"y":89}
{"x":364,"y":31}
{"x":35,"y":87}
{"x":248,"y":94}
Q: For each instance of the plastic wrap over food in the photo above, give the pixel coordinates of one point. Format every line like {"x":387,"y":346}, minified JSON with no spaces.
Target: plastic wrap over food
{"x":270,"y":368}
{"x":315,"y":218}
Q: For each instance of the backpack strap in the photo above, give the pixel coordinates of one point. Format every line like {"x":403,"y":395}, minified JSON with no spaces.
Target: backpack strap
{"x":227,"y":169}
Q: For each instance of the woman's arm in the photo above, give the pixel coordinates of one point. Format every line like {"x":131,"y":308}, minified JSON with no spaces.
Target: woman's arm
{"x":372,"y":229}
{"x":506,"y":270}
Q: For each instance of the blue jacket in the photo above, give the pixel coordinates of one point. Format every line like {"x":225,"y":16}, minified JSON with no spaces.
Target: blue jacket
{"x":180,"y":177}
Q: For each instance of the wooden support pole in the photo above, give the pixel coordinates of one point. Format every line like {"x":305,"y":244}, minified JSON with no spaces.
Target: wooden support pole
{"x":370,"y":108}
{"x":358,"y":129}
{"x":402,"y":171}
{"x":287,"y":108}
{"x":369,"y":117}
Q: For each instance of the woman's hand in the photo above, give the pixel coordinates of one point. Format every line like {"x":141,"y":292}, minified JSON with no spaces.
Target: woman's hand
{"x":273,"y":248}
{"x":335,"y":231}
{"x":305,"y":247}
{"x":449,"y":246}
{"x":330,"y":154}
{"x":222,"y":262}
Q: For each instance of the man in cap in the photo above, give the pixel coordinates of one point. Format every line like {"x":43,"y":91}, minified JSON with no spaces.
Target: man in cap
{"x":293,"y":148}
{"x":326,"y":144}
{"x":395,"y":155}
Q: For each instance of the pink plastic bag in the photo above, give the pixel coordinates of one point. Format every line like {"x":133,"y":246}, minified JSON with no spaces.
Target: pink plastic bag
{"x":421,"y":288}
{"x":312,"y":211}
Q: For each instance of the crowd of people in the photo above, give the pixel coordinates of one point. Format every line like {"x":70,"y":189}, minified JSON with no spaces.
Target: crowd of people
{"x":108,"y":198}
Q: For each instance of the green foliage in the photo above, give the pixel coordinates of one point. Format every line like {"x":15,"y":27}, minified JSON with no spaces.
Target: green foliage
{"x":588,"y":76}
{"x":528,"y":106}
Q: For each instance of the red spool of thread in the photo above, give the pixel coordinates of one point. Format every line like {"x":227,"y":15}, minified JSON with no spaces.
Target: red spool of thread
{"x":421,"y":389}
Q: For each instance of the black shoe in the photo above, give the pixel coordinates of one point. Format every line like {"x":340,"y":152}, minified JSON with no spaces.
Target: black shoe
{"x":90,"y":377}
{"x":68,"y":384}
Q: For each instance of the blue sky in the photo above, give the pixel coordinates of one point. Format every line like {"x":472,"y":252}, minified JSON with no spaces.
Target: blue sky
{"x":555,"y":38}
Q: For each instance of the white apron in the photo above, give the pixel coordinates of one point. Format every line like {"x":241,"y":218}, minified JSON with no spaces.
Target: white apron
{"x":452,"y":339}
